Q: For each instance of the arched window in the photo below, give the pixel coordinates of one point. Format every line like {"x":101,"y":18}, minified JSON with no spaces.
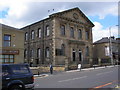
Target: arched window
{"x":63,"y":49}
{"x":26,"y":36}
{"x":32,"y":34}
{"x":80,"y":34}
{"x":47,"y":30}
{"x":39,"y":32}
{"x":62,"y":28}
{"x":25,"y":53}
{"x":87,"y":51}
{"x":47,"y":52}
{"x":72,"y":32}
{"x":38,"y":52}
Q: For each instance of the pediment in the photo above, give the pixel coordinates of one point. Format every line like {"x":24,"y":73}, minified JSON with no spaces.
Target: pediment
{"x":74,"y":14}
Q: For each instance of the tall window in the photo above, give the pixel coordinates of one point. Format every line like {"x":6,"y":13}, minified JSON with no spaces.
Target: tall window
{"x":7,"y":58}
{"x":80,"y":34}
{"x":87,"y":51}
{"x":72,"y":32}
{"x":47,"y":52}
{"x":107,"y":51}
{"x":62,"y":28}
{"x":47,"y":30}
{"x":87,"y":35}
{"x":73,"y":54}
{"x":26,"y":36}
{"x":32,"y":34}
{"x":32,"y":53}
{"x":7,"y":40}
{"x":39,"y":32}
{"x":63,"y":49}
{"x":38,"y":52}
{"x":25,"y":53}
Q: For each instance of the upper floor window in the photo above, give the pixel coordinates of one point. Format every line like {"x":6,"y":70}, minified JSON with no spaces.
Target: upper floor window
{"x":87,"y":51}
{"x":7,"y":40}
{"x":39,"y":32}
{"x":47,"y":51}
{"x":26,"y":36}
{"x":47,"y":30}
{"x":87,"y":35}
{"x":72,"y":32}
{"x":62,"y":28}
{"x":80,"y":34}
{"x":32,"y":34}
{"x":38,"y":52}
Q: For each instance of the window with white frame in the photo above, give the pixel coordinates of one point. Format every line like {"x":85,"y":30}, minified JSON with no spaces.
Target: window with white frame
{"x":39,"y":32}
{"x":26,"y":36}
{"x":107,"y":51}
{"x":62,"y":28}
{"x":38,"y":52}
{"x":47,"y":52}
{"x":72,"y":32}
{"x":79,"y":34}
{"x":32,"y":34}
{"x":47,"y":30}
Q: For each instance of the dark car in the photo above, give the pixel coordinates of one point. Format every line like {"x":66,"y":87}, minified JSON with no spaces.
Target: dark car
{"x":17,"y":77}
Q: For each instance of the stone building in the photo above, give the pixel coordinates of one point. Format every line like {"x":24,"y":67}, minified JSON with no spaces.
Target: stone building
{"x":102,"y":50}
{"x":61,"y":39}
{"x":11,"y":45}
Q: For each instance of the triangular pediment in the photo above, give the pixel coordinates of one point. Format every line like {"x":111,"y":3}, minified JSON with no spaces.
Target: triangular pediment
{"x":74,"y":14}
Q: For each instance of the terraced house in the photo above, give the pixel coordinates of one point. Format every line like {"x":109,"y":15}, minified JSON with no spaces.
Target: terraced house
{"x":63,"y":38}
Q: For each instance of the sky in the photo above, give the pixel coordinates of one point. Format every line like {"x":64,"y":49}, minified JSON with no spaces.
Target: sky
{"x":20,"y":13}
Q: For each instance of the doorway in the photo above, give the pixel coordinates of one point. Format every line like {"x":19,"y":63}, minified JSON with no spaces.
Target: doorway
{"x":73,"y":55}
{"x":80,"y":56}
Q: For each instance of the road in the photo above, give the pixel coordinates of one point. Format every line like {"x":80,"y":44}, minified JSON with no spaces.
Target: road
{"x":98,"y":78}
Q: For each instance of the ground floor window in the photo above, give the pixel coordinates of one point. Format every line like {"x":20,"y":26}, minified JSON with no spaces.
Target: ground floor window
{"x":6,"y":58}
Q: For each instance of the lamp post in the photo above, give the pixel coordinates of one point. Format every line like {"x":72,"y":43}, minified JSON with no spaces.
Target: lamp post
{"x":111,"y":54}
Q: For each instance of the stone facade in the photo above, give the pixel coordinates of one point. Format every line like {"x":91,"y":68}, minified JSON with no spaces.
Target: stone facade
{"x":102,"y":50}
{"x":64,"y":38}
{"x":12,"y":45}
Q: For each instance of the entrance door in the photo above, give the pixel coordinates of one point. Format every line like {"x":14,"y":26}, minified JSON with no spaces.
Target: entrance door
{"x":80,"y":56}
{"x":73,"y":53}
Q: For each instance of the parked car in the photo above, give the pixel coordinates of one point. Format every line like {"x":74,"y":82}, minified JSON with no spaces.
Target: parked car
{"x":17,"y":77}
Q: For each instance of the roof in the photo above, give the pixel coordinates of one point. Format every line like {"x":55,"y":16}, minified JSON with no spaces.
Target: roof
{"x":106,"y":40}
{"x":58,"y":13}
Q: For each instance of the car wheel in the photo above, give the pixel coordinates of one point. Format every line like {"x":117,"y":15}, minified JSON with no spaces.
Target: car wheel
{"x":17,"y":87}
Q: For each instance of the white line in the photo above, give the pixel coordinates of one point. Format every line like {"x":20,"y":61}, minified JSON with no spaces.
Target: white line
{"x":72,"y":79}
{"x":104,"y":73}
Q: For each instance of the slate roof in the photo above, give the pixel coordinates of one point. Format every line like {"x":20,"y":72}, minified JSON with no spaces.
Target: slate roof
{"x":107,"y":40}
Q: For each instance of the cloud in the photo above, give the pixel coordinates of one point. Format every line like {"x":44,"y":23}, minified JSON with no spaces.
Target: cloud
{"x":99,"y":32}
{"x":22,"y":13}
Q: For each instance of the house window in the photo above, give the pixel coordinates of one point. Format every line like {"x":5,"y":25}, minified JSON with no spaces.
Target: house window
{"x":26,"y":36}
{"x":6,"y":58}
{"x":87,"y":35}
{"x":63,"y":49}
{"x":73,"y":55}
{"x":62,"y":28}
{"x":25,"y":53}
{"x":87,"y":51}
{"x":80,"y":34}
{"x":32,"y":53}
{"x":39,"y":32}
{"x":72,"y":32}
{"x":7,"y":40}
{"x":107,"y":51}
{"x":47,"y":52}
{"x":32,"y":34}
{"x":47,"y":31}
{"x":38,"y":52}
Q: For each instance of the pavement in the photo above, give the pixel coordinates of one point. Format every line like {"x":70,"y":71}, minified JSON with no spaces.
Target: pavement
{"x":86,"y":69}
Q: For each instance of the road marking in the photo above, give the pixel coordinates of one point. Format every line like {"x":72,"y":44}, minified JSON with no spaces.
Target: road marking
{"x":72,"y":79}
{"x":104,"y":73}
{"x":105,"y":84}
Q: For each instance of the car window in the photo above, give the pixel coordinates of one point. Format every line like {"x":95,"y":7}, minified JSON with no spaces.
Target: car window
{"x":20,"y":69}
{"x":4,"y":71}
